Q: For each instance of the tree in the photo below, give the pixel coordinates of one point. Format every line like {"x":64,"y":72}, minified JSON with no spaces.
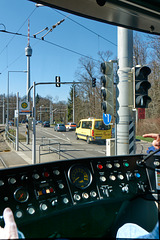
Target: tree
{"x":37,"y":99}
{"x":139,"y":50}
{"x":105,"y":56}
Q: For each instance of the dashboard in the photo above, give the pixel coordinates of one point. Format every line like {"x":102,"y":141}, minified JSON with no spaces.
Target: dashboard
{"x":86,"y":197}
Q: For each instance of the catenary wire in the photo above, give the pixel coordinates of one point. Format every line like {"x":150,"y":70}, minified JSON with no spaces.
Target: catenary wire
{"x":18,"y":30}
{"x":98,"y":35}
{"x":54,"y":44}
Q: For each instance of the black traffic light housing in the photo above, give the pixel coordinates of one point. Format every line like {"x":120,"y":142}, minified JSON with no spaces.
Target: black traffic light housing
{"x":141,"y":86}
{"x":93,"y":82}
{"x":58,"y":80}
{"x":107,"y":88}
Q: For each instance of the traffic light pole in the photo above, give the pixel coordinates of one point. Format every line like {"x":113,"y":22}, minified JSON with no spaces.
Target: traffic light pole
{"x":124,"y":112}
{"x":34,"y":113}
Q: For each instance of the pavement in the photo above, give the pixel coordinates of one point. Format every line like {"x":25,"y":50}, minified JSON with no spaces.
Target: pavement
{"x":11,"y":157}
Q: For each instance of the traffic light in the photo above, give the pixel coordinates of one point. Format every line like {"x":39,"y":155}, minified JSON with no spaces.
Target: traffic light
{"x":107,"y":87}
{"x":58,"y":79}
{"x":141,"y":86}
{"x":93,"y":82}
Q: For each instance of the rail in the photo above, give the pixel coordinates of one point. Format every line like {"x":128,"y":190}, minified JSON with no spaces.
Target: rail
{"x":50,"y":148}
{"x":10,"y":137}
{"x":3,"y":162}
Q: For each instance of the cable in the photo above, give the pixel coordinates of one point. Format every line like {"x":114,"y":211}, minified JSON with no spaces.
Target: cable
{"x":143,"y":163}
{"x":54,"y":44}
{"x":87,"y":28}
{"x":17,"y":31}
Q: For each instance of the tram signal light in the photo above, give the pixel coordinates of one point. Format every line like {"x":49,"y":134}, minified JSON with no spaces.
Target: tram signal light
{"x":141,"y":86}
{"x":57,"y":80}
{"x":93,"y":82}
{"x":107,"y":87}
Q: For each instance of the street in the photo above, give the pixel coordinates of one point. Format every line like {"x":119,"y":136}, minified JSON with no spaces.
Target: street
{"x":52,"y":145}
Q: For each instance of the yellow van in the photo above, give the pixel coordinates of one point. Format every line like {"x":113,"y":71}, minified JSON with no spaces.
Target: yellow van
{"x":93,"y":130}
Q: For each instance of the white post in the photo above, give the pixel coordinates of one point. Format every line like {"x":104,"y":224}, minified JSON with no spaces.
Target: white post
{"x":125,"y":57}
{"x":73,"y":101}
{"x":17,"y":123}
{"x":3,"y":110}
{"x":34,"y":127}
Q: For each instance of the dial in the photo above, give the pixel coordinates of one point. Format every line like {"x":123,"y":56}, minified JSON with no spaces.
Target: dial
{"x":21,"y":195}
{"x":80,"y":176}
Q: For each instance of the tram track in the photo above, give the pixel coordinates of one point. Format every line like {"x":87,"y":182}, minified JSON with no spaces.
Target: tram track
{"x":3,"y":163}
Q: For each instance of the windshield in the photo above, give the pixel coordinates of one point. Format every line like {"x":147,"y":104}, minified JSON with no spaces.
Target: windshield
{"x":64,"y":79}
{"x":85,"y":179}
{"x":101,"y":126}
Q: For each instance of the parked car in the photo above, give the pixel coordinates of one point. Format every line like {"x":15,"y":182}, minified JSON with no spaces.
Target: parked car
{"x":39,"y":122}
{"x":46,"y":124}
{"x":152,"y":149}
{"x":60,"y":127}
{"x":70,"y":126}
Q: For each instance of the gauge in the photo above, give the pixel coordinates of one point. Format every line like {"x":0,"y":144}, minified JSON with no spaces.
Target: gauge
{"x":80,"y":176}
{"x":21,"y":195}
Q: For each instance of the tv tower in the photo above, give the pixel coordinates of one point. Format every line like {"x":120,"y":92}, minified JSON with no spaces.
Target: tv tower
{"x":28,"y":52}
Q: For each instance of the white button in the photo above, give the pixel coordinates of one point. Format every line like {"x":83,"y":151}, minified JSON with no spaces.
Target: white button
{"x":120,"y":176}
{"x":56,"y":172}
{"x":103,"y":178}
{"x":54,"y":202}
{"x":117,"y":165}
{"x":43,"y":207}
{"x":77,"y":197}
{"x":12,"y":180}
{"x":36,"y":176}
{"x":31,"y":210}
{"x":65,"y":200}
{"x":93,"y":194}
{"x":1,"y":183}
{"x":19,"y":214}
{"x":85,"y":195}
{"x":109,"y":165}
{"x":112,"y":177}
{"x":61,"y":185}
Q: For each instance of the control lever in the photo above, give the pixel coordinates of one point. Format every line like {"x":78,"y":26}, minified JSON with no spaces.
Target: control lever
{"x":142,"y":162}
{"x":141,"y":186}
{"x":124,"y":187}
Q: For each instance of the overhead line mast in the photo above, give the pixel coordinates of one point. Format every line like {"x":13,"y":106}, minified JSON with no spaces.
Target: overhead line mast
{"x":28,"y":52}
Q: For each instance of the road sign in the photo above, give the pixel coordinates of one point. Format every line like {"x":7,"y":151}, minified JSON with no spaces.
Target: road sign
{"x":107,"y":118}
{"x":24,"y":108}
{"x":16,"y":113}
{"x":141,"y":113}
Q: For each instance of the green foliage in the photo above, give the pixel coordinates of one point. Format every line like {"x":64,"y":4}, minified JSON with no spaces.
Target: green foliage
{"x":37,"y":99}
{"x":144,"y":139}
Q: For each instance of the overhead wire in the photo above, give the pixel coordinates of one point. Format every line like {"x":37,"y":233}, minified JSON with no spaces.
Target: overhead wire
{"x":18,"y":30}
{"x":98,"y":35}
{"x":54,"y":44}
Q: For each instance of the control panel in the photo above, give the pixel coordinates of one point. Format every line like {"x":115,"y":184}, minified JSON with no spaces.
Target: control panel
{"x":41,"y":190}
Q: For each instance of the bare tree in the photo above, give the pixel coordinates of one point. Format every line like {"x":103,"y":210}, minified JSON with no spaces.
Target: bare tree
{"x":139,"y":50}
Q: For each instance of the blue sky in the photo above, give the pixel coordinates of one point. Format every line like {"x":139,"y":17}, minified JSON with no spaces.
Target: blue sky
{"x":48,"y":60}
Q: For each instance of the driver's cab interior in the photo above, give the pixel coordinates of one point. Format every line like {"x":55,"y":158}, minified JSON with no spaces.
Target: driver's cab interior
{"x":84,"y":197}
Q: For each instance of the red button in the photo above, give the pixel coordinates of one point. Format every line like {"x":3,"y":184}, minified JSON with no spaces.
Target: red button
{"x":51,"y":189}
{"x":46,"y":174}
{"x":100,"y":166}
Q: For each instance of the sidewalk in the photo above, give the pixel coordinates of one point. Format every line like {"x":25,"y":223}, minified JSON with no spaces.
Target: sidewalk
{"x":9,"y":155}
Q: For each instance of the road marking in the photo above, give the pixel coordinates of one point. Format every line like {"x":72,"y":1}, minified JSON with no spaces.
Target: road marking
{"x":55,"y":136}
